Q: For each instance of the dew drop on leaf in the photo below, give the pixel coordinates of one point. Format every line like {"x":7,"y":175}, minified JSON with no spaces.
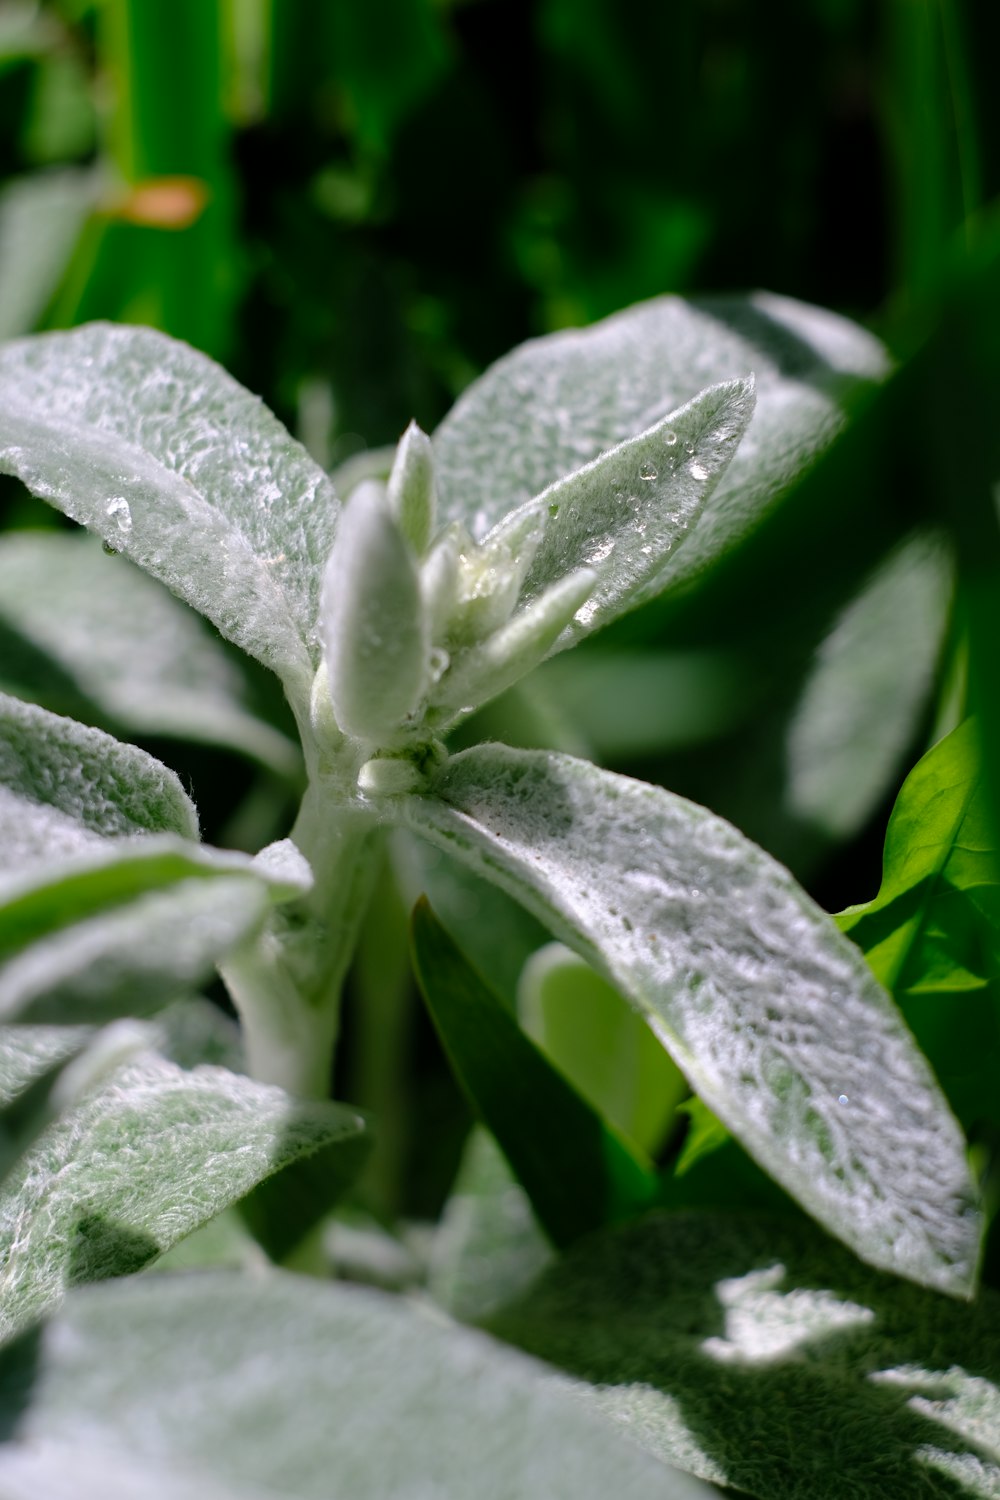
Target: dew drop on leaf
{"x":117,"y":510}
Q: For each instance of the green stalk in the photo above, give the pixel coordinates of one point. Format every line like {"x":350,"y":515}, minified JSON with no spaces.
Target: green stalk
{"x":286,"y":984}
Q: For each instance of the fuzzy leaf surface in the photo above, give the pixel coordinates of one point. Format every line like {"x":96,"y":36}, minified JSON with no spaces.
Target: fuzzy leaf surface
{"x":139,"y":1164}
{"x":775,"y":1020}
{"x":268,"y":1386}
{"x":124,"y":927}
{"x":153,"y":446}
{"x":65,"y":788}
{"x":756,"y":1353}
{"x":626,"y":513}
{"x":120,"y":648}
{"x":557,"y":402}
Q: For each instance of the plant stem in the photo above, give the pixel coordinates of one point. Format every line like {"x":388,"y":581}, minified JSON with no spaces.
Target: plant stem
{"x":286,"y":983}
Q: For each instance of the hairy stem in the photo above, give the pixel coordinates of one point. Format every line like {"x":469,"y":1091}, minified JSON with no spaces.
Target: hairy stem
{"x":286,"y":983}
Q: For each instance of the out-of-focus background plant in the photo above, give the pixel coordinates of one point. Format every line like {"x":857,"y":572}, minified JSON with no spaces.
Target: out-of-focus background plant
{"x":357,"y":207}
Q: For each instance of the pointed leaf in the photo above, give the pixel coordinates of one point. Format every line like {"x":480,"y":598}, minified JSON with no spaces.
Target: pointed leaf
{"x":932,"y":934}
{"x":65,"y":789}
{"x":775,"y":1020}
{"x":626,"y":513}
{"x":304,"y":1390}
{"x":135,"y":1167}
{"x":133,"y":957}
{"x":412,"y":490}
{"x":601,"y":1044}
{"x":29,"y":1109}
{"x":866,"y":689}
{"x":757,"y":1354}
{"x":165,"y":456}
{"x":557,"y":402}
{"x":485,"y":670}
{"x":577,"y":1170}
{"x":488,"y":1245}
{"x":121,"y":649}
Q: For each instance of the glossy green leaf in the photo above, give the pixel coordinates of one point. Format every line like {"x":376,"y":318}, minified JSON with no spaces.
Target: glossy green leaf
{"x":65,"y":789}
{"x":557,"y":402}
{"x":604,"y":1048}
{"x":120,"y":644}
{"x":932,"y":934}
{"x":138,"y":1164}
{"x":165,"y":456}
{"x":304,"y":1389}
{"x":577,"y":1170}
{"x":773,"y":1017}
{"x":757,"y":1354}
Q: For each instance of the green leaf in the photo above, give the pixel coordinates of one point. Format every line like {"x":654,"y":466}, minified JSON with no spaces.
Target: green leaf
{"x":558,"y":402}
{"x":603,"y":1047}
{"x":94,"y":921}
{"x":577,"y":1170}
{"x":40,"y":221}
{"x":758,"y":1355}
{"x":165,"y":456}
{"x":626,"y":513}
{"x":129,"y":951}
{"x":64,"y":788}
{"x":120,"y":645}
{"x":33,"y":1097}
{"x":125,"y":929}
{"x":488,"y":1245}
{"x":307,"y":1389}
{"x":773,"y":1017}
{"x":139,"y":1164}
{"x":866,"y":688}
{"x":932,"y":934}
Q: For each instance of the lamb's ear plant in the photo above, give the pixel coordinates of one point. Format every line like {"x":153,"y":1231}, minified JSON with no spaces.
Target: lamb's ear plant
{"x":583,"y":475}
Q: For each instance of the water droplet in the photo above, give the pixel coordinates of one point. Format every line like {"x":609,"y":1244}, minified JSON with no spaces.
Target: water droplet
{"x":111,"y":551}
{"x":670,"y":437}
{"x":117,"y":510}
{"x":697,"y":471}
{"x":554,"y":509}
{"x":843,"y":1099}
{"x":648,"y":473}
